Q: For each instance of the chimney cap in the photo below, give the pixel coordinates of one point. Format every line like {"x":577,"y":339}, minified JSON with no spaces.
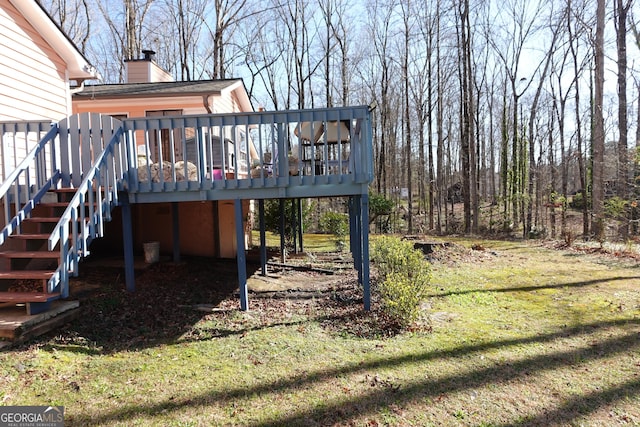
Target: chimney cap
{"x":148,"y":54}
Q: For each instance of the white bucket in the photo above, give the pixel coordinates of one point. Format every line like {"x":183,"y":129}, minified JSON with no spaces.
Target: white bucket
{"x":151,"y":252}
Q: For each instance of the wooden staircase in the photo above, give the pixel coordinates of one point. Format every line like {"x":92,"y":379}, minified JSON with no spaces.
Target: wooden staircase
{"x":26,"y":264}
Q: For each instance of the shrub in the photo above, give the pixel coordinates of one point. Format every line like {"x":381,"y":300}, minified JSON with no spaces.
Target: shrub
{"x":334,"y":223}
{"x":337,"y":224}
{"x":404,"y":278}
{"x":272,"y":216}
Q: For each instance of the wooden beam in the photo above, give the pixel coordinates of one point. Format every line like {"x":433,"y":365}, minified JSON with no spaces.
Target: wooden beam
{"x":127,"y":237}
{"x":364,"y":221}
{"x":263,"y":238}
{"x":241,"y":256}
{"x":282,"y":242}
{"x":294,"y":226}
{"x":300,"y":225}
{"x":175,"y":219}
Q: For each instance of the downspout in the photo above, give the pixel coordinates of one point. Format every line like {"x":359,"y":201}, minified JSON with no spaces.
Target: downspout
{"x":205,"y":102}
{"x":78,"y":88}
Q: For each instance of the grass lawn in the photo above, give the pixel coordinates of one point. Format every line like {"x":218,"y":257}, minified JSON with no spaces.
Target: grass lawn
{"x":519,"y":335}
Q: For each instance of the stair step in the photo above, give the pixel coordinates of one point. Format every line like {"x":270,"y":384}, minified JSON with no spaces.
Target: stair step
{"x":46,"y":219}
{"x":60,"y":204}
{"x":20,"y":297}
{"x":30,"y":236}
{"x":27,"y":274}
{"x":64,"y":190}
{"x":30,"y":254}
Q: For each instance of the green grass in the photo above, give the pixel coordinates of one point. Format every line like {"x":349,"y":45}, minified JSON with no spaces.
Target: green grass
{"x":521,"y":335}
{"x":316,"y":242}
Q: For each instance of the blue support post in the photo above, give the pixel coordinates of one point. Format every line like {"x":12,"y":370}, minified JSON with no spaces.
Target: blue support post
{"x":357,"y":253}
{"x":364,"y":218}
{"x":282,"y":255}
{"x":300,"y":225}
{"x":241,"y":257}
{"x":263,"y":238}
{"x":352,"y":225}
{"x":294,"y":226}
{"x":127,"y":235}
{"x":64,"y":271}
{"x":175,"y":218}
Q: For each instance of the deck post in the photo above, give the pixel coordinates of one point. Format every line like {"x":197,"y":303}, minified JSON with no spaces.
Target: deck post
{"x":240,"y":256}
{"x":364,"y":230}
{"x":352,"y":225}
{"x":127,"y":237}
{"x":300,"y":225}
{"x":294,"y":226}
{"x":357,"y":253}
{"x":263,"y":238}
{"x":175,"y":219}
{"x":282,"y":255}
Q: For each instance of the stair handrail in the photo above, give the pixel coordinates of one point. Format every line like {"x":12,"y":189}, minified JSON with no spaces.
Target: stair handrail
{"x":42,"y":180}
{"x":85,"y":192}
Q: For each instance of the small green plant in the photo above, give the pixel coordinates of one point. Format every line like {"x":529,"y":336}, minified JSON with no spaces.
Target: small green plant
{"x":380,"y":208}
{"x":337,"y":224}
{"x":616,"y":207}
{"x":272,"y":216}
{"x":578,"y":201}
{"x":404,"y":278}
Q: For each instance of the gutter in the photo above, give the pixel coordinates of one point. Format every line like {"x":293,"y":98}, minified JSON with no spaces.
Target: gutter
{"x":78,"y":66}
{"x":205,"y":102}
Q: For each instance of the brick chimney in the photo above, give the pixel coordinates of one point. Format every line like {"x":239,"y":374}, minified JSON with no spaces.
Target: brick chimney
{"x":145,"y":69}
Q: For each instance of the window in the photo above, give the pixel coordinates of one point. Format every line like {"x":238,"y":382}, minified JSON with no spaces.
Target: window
{"x":161,"y":142}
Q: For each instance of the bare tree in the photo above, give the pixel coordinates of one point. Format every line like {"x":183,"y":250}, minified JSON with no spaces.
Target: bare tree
{"x":73,"y":17}
{"x":469,"y":194}
{"x":127,"y":30}
{"x":555,"y":28}
{"x":519,"y":28}
{"x":227,"y":14}
{"x":380,"y":26}
{"x":598,"y":125}
{"x":188,"y":18}
{"x":621,"y":10}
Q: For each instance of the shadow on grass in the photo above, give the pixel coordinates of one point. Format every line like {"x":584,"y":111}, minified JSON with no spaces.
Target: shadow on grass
{"x":580,"y":284}
{"x":581,"y":405}
{"x":379,"y":398}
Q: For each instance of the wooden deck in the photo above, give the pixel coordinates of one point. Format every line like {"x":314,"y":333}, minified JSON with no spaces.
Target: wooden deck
{"x":96,"y":163}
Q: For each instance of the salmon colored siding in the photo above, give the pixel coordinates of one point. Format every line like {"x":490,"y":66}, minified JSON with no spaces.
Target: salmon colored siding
{"x":142,"y":71}
{"x":32,"y":75}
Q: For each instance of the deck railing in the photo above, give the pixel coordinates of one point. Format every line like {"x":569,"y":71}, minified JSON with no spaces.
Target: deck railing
{"x":29,"y":180}
{"x":17,"y":140}
{"x":249,"y":150}
{"x":97,"y":194}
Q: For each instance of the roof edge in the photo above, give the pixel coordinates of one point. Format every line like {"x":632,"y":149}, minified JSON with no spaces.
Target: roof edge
{"x":78,"y":66}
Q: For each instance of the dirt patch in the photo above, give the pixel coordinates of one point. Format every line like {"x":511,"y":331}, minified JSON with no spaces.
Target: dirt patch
{"x":171,"y":298}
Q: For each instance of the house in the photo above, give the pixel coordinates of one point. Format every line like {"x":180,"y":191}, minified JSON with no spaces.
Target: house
{"x":38,"y":67}
{"x":150,"y":91}
{"x":173,"y":151}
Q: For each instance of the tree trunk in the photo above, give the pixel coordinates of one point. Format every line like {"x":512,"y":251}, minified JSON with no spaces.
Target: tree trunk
{"x":598,"y":126}
{"x":621,"y":9}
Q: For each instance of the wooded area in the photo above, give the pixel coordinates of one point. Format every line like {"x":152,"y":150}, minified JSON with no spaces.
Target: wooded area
{"x":519,"y":110}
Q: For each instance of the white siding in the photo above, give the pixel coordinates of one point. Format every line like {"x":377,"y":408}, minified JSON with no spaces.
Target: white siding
{"x":223,"y":103}
{"x":33,"y":85}
{"x":157,"y":74}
